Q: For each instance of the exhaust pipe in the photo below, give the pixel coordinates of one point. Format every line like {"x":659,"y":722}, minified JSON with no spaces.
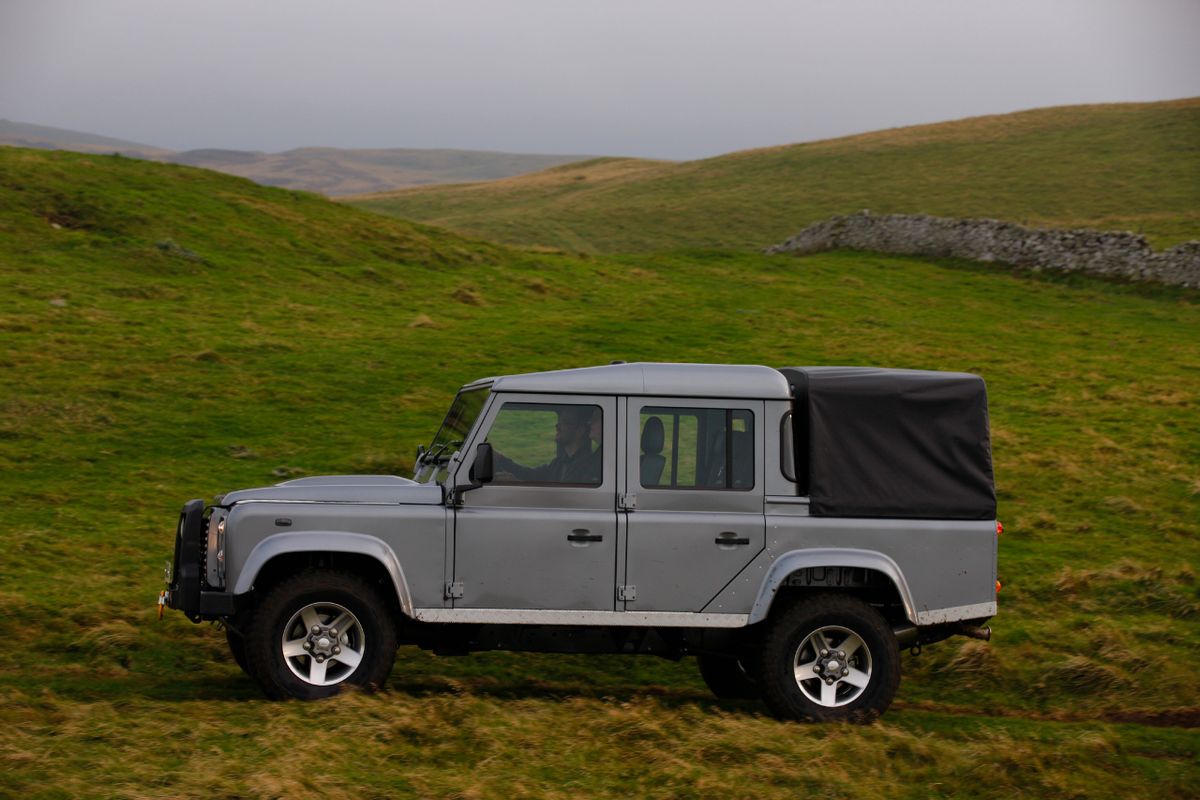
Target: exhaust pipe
{"x":983,"y":633}
{"x":906,"y":634}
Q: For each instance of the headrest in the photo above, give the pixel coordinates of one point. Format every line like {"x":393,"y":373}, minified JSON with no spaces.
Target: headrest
{"x":652,"y":437}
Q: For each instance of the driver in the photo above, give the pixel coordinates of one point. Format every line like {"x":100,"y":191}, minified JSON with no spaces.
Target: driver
{"x":575,"y":461}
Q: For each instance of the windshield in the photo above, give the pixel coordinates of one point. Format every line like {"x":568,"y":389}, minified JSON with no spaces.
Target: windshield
{"x":453,"y":432}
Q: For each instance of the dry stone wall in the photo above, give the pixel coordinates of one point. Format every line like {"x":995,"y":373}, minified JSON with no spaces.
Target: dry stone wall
{"x":1111,"y":255}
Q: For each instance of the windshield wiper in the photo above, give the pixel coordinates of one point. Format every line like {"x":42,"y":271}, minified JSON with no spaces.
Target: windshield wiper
{"x":431,"y":455}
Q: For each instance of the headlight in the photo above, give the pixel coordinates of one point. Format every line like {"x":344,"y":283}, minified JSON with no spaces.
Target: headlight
{"x":221,"y":551}
{"x":216,"y":548}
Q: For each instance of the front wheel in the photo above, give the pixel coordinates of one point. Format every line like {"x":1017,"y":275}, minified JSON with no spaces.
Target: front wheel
{"x":319,"y":631}
{"x":237,"y":648}
{"x":829,"y":658}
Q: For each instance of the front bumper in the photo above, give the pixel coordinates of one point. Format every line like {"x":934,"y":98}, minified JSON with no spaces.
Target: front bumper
{"x":186,"y":589}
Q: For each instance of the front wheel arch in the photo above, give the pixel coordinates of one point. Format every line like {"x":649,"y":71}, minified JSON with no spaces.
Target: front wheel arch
{"x":283,"y":554}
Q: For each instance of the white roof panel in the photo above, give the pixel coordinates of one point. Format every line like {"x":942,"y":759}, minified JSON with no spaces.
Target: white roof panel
{"x":653,"y":379}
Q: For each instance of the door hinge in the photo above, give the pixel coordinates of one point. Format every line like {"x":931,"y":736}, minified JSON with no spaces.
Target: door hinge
{"x":626,"y":592}
{"x":454,"y":590}
{"x":627,"y":501}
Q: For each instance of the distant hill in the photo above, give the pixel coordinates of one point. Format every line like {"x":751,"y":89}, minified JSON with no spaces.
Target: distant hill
{"x":328,"y":170}
{"x":44,"y":137}
{"x":1123,"y":167}
{"x":333,"y":171}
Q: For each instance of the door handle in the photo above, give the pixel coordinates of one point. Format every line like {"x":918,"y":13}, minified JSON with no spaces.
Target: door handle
{"x":584,"y":535}
{"x":729,"y":537}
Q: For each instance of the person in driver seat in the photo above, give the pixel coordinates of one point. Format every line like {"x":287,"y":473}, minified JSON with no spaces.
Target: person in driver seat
{"x":575,"y":461}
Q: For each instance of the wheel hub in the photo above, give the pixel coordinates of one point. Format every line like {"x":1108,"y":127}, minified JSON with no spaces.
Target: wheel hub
{"x":323,"y":642}
{"x":833,"y":666}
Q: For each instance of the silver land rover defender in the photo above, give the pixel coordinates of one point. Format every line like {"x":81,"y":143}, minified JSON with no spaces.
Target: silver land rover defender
{"x":792,"y":528}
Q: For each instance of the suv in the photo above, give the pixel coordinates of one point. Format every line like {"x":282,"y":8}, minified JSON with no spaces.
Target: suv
{"x":792,"y":528}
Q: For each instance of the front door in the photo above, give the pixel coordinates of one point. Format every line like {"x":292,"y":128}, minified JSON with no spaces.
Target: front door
{"x":695,"y":471}
{"x":543,"y":534}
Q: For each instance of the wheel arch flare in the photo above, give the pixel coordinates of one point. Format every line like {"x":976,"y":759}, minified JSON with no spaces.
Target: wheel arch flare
{"x":316,"y":542}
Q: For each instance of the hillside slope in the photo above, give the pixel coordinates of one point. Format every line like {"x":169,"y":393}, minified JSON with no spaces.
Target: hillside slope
{"x":171,"y":333}
{"x":1126,"y":167}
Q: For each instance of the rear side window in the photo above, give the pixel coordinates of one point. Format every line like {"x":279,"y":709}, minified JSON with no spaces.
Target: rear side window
{"x":787,"y":448}
{"x":697,"y":448}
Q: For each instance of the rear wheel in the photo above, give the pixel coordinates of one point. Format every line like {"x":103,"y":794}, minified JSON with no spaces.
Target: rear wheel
{"x":316,"y":632}
{"x":829,"y":658}
{"x":727,"y":677}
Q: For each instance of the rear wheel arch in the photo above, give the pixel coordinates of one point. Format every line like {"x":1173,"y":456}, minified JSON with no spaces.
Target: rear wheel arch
{"x":866,"y":574}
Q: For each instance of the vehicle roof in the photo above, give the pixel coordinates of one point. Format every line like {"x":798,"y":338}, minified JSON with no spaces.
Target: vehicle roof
{"x":653,"y":379}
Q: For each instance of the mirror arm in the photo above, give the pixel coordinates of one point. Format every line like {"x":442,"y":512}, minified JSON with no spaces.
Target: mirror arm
{"x":483,"y":458}
{"x":457,"y":492}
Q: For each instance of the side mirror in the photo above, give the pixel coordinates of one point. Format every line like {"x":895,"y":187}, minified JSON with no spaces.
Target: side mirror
{"x":420,"y":453}
{"x":481,"y":473}
{"x":483,"y":469}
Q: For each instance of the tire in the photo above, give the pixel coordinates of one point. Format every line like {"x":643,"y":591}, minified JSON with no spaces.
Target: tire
{"x":866,"y":677}
{"x":727,"y":678}
{"x":237,"y":648}
{"x":280,"y":641}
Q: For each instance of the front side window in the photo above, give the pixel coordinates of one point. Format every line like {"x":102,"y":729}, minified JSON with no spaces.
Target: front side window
{"x":548,"y":443}
{"x":697,"y":448}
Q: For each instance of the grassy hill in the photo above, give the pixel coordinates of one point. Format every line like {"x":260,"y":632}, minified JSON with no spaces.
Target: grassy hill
{"x":1125,"y":167}
{"x":328,"y":170}
{"x":171,"y":333}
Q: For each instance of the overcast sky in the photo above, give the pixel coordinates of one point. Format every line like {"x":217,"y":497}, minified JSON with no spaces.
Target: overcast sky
{"x":626,"y":77}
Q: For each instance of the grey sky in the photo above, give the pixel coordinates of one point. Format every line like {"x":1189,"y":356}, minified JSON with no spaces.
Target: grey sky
{"x":642,"y":77}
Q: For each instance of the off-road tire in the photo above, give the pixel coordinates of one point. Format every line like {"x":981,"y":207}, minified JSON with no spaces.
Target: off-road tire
{"x":264,"y":635}
{"x":788,"y":631}
{"x":237,"y":647}
{"x":727,"y":677}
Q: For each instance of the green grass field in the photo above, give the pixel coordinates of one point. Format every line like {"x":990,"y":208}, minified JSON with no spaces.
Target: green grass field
{"x":1120,"y":167}
{"x":171,"y":333}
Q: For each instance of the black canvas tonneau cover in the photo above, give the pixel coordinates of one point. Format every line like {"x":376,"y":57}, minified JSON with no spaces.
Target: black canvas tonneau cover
{"x":892,"y":443}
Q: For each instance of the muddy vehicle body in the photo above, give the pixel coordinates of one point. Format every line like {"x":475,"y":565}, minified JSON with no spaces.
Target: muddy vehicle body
{"x":792,"y":528}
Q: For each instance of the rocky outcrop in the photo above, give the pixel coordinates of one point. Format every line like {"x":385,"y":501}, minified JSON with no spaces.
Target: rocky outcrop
{"x":1126,"y":256}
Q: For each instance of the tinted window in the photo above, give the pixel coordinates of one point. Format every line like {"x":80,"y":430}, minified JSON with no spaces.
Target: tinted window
{"x":548,"y":443}
{"x":697,"y":448}
{"x":787,"y":449}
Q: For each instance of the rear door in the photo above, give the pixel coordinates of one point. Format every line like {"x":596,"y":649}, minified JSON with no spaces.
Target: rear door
{"x":694,"y":477}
